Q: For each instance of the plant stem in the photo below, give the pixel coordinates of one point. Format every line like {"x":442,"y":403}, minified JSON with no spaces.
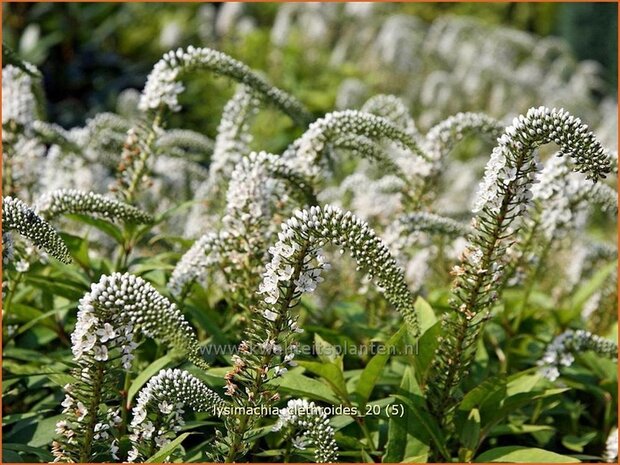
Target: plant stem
{"x":93,"y":407}
{"x":257,"y":384}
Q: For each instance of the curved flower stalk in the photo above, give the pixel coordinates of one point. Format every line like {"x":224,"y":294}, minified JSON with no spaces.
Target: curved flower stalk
{"x":137,"y":149}
{"x":67,"y":201}
{"x":98,"y":142}
{"x":503,"y":196}
{"x":314,"y":426}
{"x":418,"y":239}
{"x":183,"y":143}
{"x":295,"y":269}
{"x":163,"y":84}
{"x":259,"y":183}
{"x":562,"y":195}
{"x":253,"y":188}
{"x":18,"y":216}
{"x":103,"y":343}
{"x":443,"y":137}
{"x":204,"y":253}
{"x":560,"y":352}
{"x":158,"y":414}
{"x":412,"y":223}
{"x":371,"y":199}
{"x":407,"y":230}
{"x":233,"y":133}
{"x":364,"y":148}
{"x":394,"y":109}
{"x":232,"y":143}
{"x":305,"y":154}
{"x":103,"y":138}
{"x":562,"y":200}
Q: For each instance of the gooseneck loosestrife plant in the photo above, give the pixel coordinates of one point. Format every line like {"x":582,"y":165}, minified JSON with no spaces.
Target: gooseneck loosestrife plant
{"x":502,"y":198}
{"x":255,"y":270}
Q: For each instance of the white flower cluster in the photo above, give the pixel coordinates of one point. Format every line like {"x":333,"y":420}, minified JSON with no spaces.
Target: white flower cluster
{"x":305,"y":154}
{"x":18,"y":101}
{"x":255,"y":185}
{"x":232,"y":143}
{"x":371,"y":198}
{"x":16,"y":215}
{"x":453,"y":129}
{"x":158,"y":414}
{"x":560,"y":352}
{"x":110,"y":316}
{"x":66,"y":201}
{"x":205,"y":252}
{"x":185,"y":143}
{"x":314,"y":426}
{"x":251,"y":192}
{"x":163,"y":87}
{"x":394,"y":109}
{"x":416,"y":222}
{"x":565,"y":197}
{"x":233,"y":133}
{"x":119,"y":305}
{"x":307,"y":231}
{"x":510,"y":159}
{"x":611,"y":447}
{"x":260,"y":183}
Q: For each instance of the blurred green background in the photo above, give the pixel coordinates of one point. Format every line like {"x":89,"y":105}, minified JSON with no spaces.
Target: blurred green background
{"x":89,"y":52}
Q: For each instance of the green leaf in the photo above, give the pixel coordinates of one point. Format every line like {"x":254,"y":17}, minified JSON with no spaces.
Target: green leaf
{"x":326,"y":352}
{"x":373,"y":370}
{"x":520,"y":454}
{"x":160,"y":456}
{"x":426,"y":314}
{"x":519,"y":429}
{"x":103,"y":226}
{"x":587,"y":289}
{"x":146,"y":374}
{"x":576,"y":443}
{"x":70,"y":290}
{"x":427,"y":427}
{"x":42,"y":454}
{"x":331,"y":373}
{"x":9,"y":456}
{"x":402,"y":444}
{"x":427,"y":345}
{"x":469,"y":435}
{"x":26,"y":314}
{"x":300,"y":385}
{"x":33,"y":432}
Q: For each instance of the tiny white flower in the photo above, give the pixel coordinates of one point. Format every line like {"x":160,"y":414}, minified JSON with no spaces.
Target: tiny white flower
{"x":101,"y":353}
{"x":270,"y":315}
{"x":82,"y":411}
{"x":106,"y":333}
{"x":165,"y":407}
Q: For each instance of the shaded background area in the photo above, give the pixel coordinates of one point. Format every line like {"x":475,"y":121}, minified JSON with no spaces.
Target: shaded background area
{"x":90,"y":52}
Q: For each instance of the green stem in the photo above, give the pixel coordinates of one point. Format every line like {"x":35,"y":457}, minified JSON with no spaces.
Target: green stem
{"x":141,"y":163}
{"x":93,"y":408}
{"x":10,"y":294}
{"x":239,"y":430}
